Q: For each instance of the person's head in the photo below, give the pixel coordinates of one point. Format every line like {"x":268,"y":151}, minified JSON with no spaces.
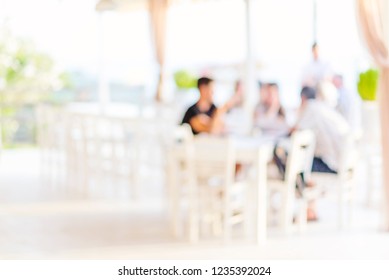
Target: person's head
{"x":273,"y":88}
{"x":337,"y":80}
{"x":273,"y":93}
{"x":269,"y":94}
{"x":205,"y":86}
{"x":315,"y":51}
{"x":307,"y":93}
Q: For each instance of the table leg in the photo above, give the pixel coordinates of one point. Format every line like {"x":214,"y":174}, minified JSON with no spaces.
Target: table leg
{"x":261,"y":195}
{"x":173,"y":194}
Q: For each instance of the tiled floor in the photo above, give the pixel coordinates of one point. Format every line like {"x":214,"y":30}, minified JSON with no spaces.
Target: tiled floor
{"x":42,"y":220}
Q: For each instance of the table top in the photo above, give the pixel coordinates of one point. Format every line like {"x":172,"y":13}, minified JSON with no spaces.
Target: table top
{"x":251,"y":142}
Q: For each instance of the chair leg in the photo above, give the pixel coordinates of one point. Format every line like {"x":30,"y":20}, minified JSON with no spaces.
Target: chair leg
{"x":174,"y":212}
{"x":193,"y":217}
{"x":227,"y":214}
{"x":286,"y":212}
{"x":303,"y":216}
{"x":340,"y":205}
{"x":350,"y":210}
{"x":246,"y":215}
{"x":217,"y":225}
{"x":351,"y":201}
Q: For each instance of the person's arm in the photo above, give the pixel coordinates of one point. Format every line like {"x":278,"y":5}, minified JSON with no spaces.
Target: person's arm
{"x":228,"y":105}
{"x":217,"y":124}
{"x":201,"y":123}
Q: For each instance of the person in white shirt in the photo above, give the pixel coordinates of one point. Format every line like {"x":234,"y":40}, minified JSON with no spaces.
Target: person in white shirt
{"x":327,"y":92}
{"x":316,"y":70}
{"x":330,"y":129}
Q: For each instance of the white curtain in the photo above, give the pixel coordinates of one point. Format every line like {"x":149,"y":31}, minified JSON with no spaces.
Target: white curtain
{"x":374,"y":25}
{"x":158,"y":17}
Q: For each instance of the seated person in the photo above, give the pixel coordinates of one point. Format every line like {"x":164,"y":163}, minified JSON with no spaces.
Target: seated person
{"x":204,"y":116}
{"x":269,"y":115}
{"x":330,"y":129}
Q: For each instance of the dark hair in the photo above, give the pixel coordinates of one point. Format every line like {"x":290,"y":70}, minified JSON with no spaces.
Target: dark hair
{"x":203,"y":81}
{"x":314,"y":45}
{"x":308,"y":93}
{"x":268,"y":84}
{"x":273,"y":85}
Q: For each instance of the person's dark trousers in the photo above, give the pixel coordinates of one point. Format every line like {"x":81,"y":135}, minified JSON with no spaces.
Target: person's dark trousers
{"x":320,"y":166}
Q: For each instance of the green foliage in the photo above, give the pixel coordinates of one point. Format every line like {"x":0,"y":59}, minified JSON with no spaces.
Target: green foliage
{"x":368,"y":84}
{"x":185,"y":80}
{"x":27,"y":77}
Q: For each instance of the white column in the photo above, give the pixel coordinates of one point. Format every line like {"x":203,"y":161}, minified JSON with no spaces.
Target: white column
{"x":250,"y":82}
{"x":384,"y":133}
{"x":103,"y":84}
{"x":314,"y":25}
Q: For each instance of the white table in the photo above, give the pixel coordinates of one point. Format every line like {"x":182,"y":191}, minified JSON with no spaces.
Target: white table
{"x":255,"y":151}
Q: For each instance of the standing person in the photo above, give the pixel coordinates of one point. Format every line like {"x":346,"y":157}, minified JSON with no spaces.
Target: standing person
{"x":204,"y":116}
{"x":348,"y":102}
{"x":317,"y":70}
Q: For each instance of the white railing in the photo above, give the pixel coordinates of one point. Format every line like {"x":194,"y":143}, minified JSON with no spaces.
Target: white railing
{"x":85,"y":149}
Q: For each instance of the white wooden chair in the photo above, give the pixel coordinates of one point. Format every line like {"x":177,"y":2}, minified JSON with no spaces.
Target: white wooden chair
{"x":299,"y":161}
{"x":179,"y":173}
{"x":204,"y":172}
{"x":344,"y":180}
{"x":221,"y":199}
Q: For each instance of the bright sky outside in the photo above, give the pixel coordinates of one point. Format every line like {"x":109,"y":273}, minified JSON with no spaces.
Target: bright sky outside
{"x":203,"y":35}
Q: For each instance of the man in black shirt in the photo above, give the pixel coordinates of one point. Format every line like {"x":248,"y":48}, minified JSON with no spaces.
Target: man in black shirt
{"x":204,"y":116}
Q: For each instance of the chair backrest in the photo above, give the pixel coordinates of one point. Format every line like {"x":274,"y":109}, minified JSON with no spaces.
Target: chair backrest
{"x":301,"y":155}
{"x":183,"y":133}
{"x":214,"y":158}
{"x":349,"y":155}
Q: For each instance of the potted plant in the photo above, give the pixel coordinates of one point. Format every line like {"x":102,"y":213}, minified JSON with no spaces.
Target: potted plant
{"x":186,"y":83}
{"x":367,"y":85}
{"x":367,"y":89}
{"x":184,"y":80}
